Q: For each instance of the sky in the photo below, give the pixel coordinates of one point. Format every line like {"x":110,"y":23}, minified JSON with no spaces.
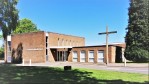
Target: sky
{"x":84,"y":18}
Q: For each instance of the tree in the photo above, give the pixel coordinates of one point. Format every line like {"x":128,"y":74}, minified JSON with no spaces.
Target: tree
{"x":25,"y":26}
{"x":8,"y":16}
{"x":8,"y":19}
{"x":137,"y":37}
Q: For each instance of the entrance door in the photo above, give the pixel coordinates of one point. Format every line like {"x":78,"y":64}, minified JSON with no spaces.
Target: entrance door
{"x":82,"y":56}
{"x":100,"y":56}
{"x":61,"y":55}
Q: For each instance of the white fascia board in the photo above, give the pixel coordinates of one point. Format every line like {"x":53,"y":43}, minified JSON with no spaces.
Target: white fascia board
{"x":60,"y":47}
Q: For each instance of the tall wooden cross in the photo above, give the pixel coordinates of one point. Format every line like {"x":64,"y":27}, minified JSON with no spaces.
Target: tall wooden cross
{"x":107,"y":33}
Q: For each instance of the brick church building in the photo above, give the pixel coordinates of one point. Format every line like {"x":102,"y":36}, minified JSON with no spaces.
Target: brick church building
{"x":41,"y":47}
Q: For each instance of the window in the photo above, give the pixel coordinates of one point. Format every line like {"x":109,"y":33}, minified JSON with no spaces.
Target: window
{"x":9,"y":48}
{"x":58,"y":42}
{"x":100,"y":56}
{"x":91,"y":56}
{"x":75,"y":56}
{"x":70,"y":43}
{"x":46,"y":45}
{"x":82,"y":56}
{"x":62,"y":42}
{"x":66,"y":43}
{"x":9,"y":51}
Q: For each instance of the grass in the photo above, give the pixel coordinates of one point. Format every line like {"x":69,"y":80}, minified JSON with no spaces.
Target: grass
{"x":121,"y":76}
{"x":17,"y":74}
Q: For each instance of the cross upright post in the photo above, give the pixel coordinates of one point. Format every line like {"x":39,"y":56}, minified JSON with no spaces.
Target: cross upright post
{"x":107,"y":33}
{"x":107,"y":45}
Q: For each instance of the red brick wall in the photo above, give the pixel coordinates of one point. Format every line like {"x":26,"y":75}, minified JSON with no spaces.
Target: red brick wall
{"x":33,"y":45}
{"x":37,"y":40}
{"x":69,"y":40}
{"x":111,"y":53}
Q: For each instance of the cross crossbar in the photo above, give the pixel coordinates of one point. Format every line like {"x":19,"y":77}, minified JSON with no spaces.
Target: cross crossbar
{"x":107,"y":32}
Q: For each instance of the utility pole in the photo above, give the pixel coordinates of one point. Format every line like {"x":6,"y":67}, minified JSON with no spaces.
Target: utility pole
{"x":107,"y":33}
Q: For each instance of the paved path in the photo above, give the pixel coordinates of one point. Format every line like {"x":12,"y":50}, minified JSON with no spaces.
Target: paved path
{"x":142,"y":68}
{"x":132,"y":67}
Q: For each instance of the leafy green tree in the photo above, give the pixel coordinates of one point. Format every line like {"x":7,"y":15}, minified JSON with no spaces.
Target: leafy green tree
{"x":25,"y":26}
{"x":8,"y":16}
{"x":8,"y":19}
{"x":137,"y":37}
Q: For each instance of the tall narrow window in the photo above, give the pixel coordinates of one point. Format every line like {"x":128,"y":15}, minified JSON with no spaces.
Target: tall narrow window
{"x":46,"y":45}
{"x":9,"y":49}
{"x":100,"y":56}
{"x":70,"y":43}
{"x":62,"y":42}
{"x":46,"y":48}
{"x":75,"y":56}
{"x":58,"y":42}
{"x":66,"y":43}
{"x":91,"y":56}
{"x":82,"y":56}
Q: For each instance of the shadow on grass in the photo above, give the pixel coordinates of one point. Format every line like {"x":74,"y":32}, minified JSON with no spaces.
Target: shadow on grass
{"x":25,"y":74}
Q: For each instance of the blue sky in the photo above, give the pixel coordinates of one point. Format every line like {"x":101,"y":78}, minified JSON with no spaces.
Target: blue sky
{"x":85,"y":18}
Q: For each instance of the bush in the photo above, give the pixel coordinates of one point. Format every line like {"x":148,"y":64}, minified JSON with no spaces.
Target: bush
{"x":137,"y":55}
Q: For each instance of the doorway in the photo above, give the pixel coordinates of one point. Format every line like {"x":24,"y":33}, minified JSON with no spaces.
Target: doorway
{"x":61,"y":56}
{"x":118,"y":58}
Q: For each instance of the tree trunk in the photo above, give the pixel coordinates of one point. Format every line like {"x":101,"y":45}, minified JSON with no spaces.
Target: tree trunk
{"x":5,"y":50}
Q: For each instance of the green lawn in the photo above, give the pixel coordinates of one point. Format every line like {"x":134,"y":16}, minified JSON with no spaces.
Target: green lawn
{"x":17,"y":74}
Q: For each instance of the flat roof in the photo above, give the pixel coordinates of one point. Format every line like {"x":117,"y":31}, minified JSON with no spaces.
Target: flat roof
{"x":103,"y":45}
{"x":92,"y":46}
{"x":48,"y":32}
{"x":27,"y":33}
{"x":66,"y":35}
